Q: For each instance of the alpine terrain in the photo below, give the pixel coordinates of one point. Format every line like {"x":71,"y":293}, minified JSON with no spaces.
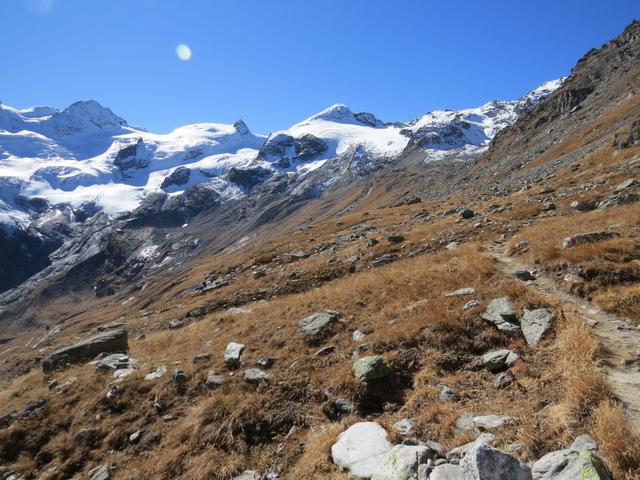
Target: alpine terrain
{"x":451,"y":297}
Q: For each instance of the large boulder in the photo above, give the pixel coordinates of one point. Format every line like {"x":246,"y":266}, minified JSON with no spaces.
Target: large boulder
{"x":370,"y":368}
{"x":233,"y":354}
{"x":487,"y":463}
{"x":316,"y":325}
{"x":112,"y":341}
{"x":535,"y":323}
{"x":570,"y":464}
{"x":365,"y":452}
{"x":358,"y":449}
{"x":500,"y":313}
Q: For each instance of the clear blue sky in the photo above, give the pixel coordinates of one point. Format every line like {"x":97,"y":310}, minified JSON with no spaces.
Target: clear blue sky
{"x":275,"y":62}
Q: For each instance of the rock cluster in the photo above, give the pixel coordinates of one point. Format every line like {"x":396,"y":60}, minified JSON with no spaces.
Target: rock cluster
{"x":112,"y":341}
{"x":365,"y":452}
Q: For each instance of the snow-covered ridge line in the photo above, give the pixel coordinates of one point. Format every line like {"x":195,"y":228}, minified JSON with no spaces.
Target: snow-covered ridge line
{"x":85,"y":158}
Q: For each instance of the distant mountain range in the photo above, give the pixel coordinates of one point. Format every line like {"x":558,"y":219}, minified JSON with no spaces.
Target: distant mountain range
{"x":86,"y":159}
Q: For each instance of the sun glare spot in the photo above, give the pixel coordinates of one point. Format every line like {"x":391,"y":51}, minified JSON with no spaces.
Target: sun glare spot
{"x":39,"y":7}
{"x":184,"y":52}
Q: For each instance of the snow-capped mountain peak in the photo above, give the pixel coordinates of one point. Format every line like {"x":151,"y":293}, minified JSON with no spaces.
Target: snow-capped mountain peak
{"x":340,"y":113}
{"x":87,"y":154}
{"x":85,"y":117}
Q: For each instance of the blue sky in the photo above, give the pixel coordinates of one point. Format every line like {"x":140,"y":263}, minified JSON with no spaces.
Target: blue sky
{"x":275,"y":62}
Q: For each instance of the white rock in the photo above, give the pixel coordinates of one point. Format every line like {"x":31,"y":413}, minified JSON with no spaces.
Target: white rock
{"x":461,"y":292}
{"x":359,"y":449}
{"x":404,"y":426}
{"x":156,"y":374}
{"x":233,"y":354}
{"x":487,"y":422}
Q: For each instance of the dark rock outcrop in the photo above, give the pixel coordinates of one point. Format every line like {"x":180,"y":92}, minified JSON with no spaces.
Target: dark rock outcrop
{"x":112,"y":341}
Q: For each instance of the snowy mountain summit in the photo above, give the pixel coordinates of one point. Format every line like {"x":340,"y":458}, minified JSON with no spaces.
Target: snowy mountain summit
{"x":86,"y":158}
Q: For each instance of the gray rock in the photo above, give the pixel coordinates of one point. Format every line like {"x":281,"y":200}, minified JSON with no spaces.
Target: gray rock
{"x":571,"y":465}
{"x":584,"y":442}
{"x":452,"y":245}
{"x":465,"y":422}
{"x":401,"y":462}
{"x":60,"y":389}
{"x":266,"y":362}
{"x":100,"y":473}
{"x":487,"y":463}
{"x":293,"y":257}
{"x":112,"y":341}
{"x":364,"y":451}
{"x":116,"y":361}
{"x":344,"y":405}
{"x":535,"y":324}
{"x":317,"y":324}
{"x":405,"y":426}
{"x":358,"y":336}
{"x":502,"y":380}
{"x":202,"y":357}
{"x":383,"y":260}
{"x":582,"y":206}
{"x":34,"y":408}
{"x":448,"y":394}
{"x":470,"y":304}
{"x":500,"y":313}
{"x":370,"y":368}
{"x":179,"y":176}
{"x":499,"y":359}
{"x":233,"y":355}
{"x":248,"y":475}
{"x":179,"y":378}
{"x":459,"y":452}
{"x":135,"y":437}
{"x":175,"y":324}
{"x":156,"y":374}
{"x":626,"y":184}
{"x":214,"y":381}
{"x":489,"y":422}
{"x":447,"y":471}
{"x":255,"y":375}
{"x":461,"y":292}
{"x":467,"y":213}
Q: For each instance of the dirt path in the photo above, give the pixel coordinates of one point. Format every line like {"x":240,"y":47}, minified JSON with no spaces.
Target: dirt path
{"x":619,"y":336}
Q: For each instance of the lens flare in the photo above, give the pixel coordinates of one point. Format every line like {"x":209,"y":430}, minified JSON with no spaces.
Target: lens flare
{"x":39,"y":7}
{"x":184,"y":52}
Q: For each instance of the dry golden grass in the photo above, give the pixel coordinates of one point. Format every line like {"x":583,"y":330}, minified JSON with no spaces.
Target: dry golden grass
{"x":578,"y":364}
{"x":315,"y":462}
{"x":621,"y":299}
{"x":617,"y":440}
